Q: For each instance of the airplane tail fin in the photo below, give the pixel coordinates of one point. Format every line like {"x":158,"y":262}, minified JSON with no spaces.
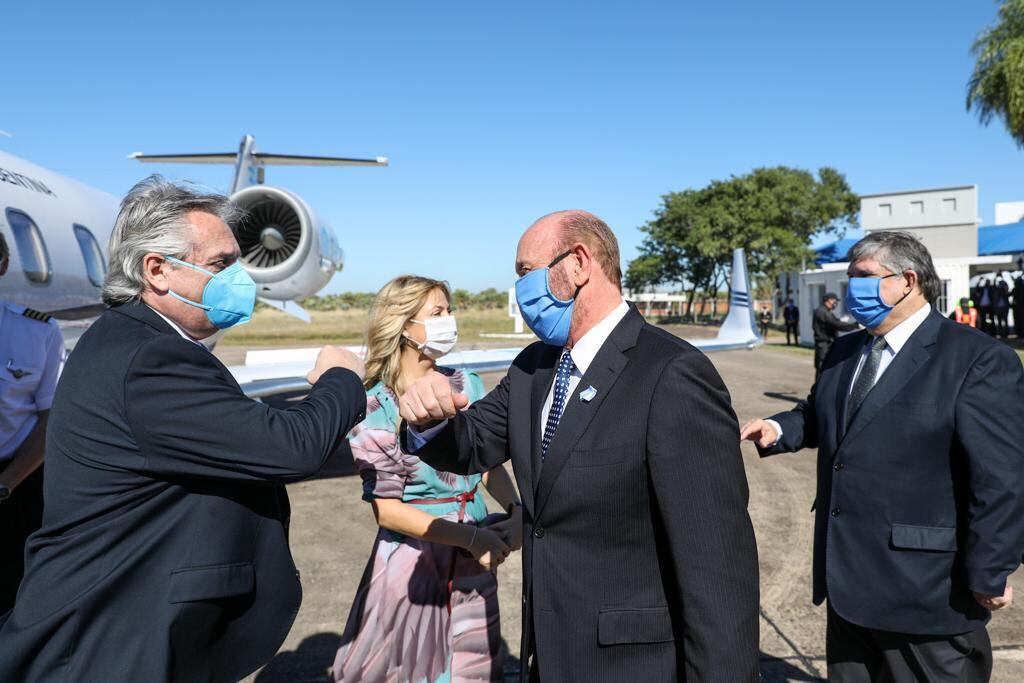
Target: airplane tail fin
{"x":739,"y":323}
{"x":249,"y":163}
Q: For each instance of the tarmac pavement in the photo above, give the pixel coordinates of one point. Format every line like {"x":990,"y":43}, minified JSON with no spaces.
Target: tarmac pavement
{"x":333,"y":529}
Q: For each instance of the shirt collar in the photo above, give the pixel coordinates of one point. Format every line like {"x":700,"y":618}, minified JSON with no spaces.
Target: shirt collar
{"x":898,"y":336}
{"x":586,"y":348}
{"x":174,"y":325}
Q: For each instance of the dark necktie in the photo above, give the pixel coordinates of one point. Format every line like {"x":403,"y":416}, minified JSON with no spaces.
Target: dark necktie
{"x":562,"y":375}
{"x":865,"y":380}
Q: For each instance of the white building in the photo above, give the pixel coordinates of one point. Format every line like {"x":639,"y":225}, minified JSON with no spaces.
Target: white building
{"x":946,"y":220}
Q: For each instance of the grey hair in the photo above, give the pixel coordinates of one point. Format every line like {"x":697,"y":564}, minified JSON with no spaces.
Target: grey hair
{"x":899,"y":252}
{"x":153,"y":220}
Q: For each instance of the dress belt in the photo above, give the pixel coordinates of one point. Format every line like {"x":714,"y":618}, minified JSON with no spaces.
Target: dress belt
{"x":462,"y":499}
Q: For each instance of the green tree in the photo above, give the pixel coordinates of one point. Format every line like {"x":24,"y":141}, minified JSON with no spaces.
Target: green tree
{"x":996,"y":88}
{"x":771,"y":212}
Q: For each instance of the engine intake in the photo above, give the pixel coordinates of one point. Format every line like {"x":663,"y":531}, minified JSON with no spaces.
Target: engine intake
{"x":287,"y":250}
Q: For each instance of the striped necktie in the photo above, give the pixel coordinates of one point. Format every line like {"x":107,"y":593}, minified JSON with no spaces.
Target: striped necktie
{"x":865,"y":380}
{"x":561,"y":390}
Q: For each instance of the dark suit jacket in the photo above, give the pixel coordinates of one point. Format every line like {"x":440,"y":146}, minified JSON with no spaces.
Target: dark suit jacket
{"x":639,"y":560}
{"x":827,"y":326}
{"x":163,"y":553}
{"x":921,"y":500}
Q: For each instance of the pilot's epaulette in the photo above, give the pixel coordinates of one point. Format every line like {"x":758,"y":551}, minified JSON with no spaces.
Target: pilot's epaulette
{"x":37,"y":315}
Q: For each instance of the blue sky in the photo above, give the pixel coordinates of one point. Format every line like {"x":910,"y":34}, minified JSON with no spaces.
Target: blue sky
{"x":494,"y":114}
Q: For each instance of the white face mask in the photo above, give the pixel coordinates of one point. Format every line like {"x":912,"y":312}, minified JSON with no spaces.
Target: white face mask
{"x":442,"y":335}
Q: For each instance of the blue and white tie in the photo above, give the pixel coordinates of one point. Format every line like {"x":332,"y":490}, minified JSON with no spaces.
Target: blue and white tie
{"x":561,"y":390}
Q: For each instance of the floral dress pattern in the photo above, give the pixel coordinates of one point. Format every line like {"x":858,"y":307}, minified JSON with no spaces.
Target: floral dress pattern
{"x":423,"y":612}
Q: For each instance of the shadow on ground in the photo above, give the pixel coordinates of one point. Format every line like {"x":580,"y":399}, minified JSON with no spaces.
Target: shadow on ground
{"x":311,"y":662}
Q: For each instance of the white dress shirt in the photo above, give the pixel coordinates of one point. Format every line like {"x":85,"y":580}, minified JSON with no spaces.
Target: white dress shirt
{"x":895,"y":339}
{"x":583,"y":354}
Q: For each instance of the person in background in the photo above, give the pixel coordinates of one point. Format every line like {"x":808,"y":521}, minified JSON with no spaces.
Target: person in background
{"x":791,"y":316}
{"x":1018,"y":306}
{"x":919,"y":516}
{"x":826,"y":328}
{"x":966,"y":313}
{"x":986,"y":301}
{"x":765,"y":320}
{"x":1001,"y":308}
{"x":31,"y":350}
{"x":163,"y":554}
{"x":427,"y":606}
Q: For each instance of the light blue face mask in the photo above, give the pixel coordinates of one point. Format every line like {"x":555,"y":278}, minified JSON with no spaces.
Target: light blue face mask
{"x":228,"y":298}
{"x":548,"y":316}
{"x":864,"y":300}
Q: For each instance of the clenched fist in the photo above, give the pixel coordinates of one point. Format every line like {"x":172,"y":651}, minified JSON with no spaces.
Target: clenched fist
{"x":430,"y":399}
{"x":335,"y":357}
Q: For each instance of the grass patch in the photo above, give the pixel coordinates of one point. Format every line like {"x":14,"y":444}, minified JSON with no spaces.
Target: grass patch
{"x":273,"y":328}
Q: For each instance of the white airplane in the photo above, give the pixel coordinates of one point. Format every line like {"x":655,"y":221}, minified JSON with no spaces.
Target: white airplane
{"x":58,"y":230}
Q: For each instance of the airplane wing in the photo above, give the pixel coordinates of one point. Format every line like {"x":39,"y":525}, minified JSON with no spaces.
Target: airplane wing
{"x":279,"y":371}
{"x":276,"y":371}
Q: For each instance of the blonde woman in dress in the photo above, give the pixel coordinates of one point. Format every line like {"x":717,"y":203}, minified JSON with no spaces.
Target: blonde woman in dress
{"x":426,"y":609}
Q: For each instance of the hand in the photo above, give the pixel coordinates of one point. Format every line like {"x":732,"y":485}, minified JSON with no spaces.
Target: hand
{"x":488,"y":549}
{"x":995,"y":602}
{"x":335,"y":357}
{"x":760,"y":432}
{"x":430,"y":399}
{"x":510,"y":529}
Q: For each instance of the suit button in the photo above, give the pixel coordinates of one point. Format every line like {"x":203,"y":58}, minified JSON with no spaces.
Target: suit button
{"x":538,"y":532}
{"x":839,"y":466}
{"x":835,"y":512}
{"x":298,"y":575}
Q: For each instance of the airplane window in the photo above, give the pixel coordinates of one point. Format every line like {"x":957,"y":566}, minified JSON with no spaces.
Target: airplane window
{"x":35,"y":260}
{"x":95,"y":265}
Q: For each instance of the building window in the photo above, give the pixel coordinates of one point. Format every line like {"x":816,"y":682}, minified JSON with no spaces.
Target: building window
{"x":35,"y":260}
{"x":942,"y":303}
{"x":917,"y":208}
{"x":949,"y":205}
{"x":885,"y":209}
{"x":95,"y":266}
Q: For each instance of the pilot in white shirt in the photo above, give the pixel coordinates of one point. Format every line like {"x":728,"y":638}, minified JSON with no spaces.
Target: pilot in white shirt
{"x":31,"y":353}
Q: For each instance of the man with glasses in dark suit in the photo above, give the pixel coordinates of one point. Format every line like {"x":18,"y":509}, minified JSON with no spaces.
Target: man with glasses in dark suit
{"x":920,"y":498}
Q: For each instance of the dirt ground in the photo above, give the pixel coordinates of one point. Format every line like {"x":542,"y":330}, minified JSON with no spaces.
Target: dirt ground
{"x":333,"y":530}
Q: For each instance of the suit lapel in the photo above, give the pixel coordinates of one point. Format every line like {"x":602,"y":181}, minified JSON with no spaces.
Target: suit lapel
{"x":602,"y":374}
{"x":904,"y":366}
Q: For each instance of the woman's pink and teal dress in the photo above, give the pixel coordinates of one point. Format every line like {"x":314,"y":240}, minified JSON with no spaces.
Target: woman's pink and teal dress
{"x":424,"y":612}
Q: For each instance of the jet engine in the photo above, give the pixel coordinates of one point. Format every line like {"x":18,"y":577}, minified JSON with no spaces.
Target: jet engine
{"x":286,"y":248}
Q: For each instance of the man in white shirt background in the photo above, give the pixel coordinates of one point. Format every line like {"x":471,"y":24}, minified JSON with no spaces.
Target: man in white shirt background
{"x":920,"y":494}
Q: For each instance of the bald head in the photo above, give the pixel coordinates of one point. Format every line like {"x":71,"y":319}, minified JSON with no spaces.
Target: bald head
{"x":558,"y":232}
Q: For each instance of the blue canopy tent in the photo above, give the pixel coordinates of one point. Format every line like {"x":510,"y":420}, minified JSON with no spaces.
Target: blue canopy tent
{"x":1001,"y":239}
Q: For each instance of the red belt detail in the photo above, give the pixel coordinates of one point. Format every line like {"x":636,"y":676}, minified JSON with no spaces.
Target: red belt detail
{"x":462,"y":499}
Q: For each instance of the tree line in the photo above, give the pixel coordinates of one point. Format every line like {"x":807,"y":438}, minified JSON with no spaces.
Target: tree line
{"x":489,"y":298}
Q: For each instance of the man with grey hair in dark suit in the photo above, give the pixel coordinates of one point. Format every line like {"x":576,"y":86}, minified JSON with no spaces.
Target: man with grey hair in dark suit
{"x":920,"y":499}
{"x":163,"y":554}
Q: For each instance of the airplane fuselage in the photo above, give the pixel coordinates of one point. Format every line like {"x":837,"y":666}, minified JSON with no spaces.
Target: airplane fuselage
{"x":57,"y":229}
